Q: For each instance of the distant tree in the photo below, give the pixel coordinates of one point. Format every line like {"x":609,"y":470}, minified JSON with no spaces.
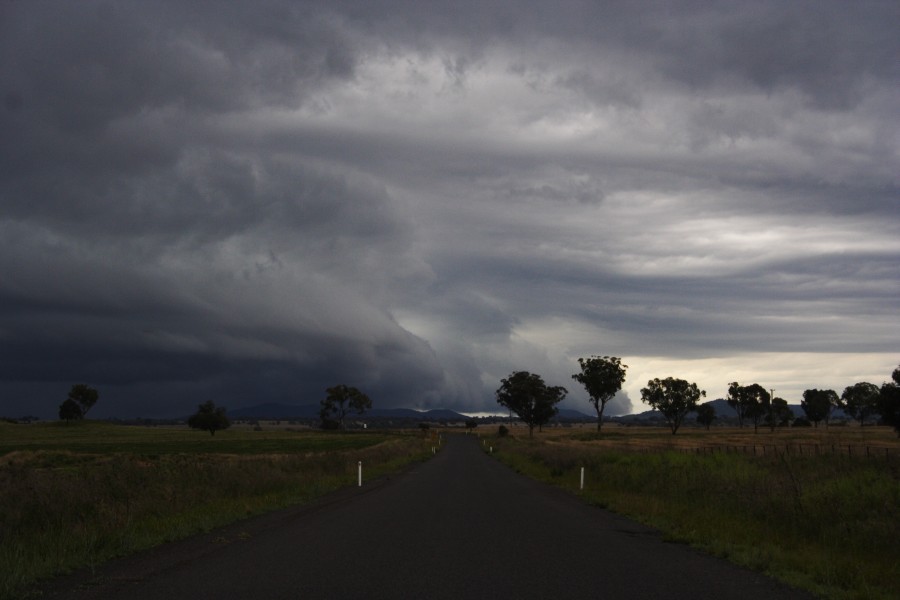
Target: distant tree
{"x":778,"y":413}
{"x":602,"y":377}
{"x":747,"y":401}
{"x":471,"y":423}
{"x":860,"y":400}
{"x":425,"y":427}
{"x":674,"y":398}
{"x":706,"y":414}
{"x":70,"y":411}
{"x":528,"y":396}
{"x":80,"y":400}
{"x":340,"y":401}
{"x":757,"y":401}
{"x":889,"y":402}
{"x":502,"y":431}
{"x":818,"y":404}
{"x":209,"y":418}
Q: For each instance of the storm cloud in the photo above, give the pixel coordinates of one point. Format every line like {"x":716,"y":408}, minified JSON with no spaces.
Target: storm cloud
{"x":253,"y":201}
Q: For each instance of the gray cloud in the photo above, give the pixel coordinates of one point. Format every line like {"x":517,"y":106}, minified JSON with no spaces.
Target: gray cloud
{"x":252,"y":202}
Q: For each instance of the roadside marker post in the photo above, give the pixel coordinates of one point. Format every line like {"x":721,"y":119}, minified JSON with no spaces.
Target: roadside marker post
{"x":359,"y":477}
{"x":581,"y":487}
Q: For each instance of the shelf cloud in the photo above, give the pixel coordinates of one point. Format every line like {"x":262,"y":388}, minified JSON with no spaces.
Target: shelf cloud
{"x":254,"y":201}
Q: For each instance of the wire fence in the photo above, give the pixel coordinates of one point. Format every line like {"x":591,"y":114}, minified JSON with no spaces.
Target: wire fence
{"x":798,"y":449}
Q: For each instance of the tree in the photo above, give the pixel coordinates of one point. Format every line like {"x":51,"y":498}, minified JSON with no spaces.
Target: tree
{"x":70,"y":411}
{"x":528,"y":396}
{"x":747,"y":401}
{"x":889,"y":402}
{"x":757,"y":401}
{"x":209,"y":417}
{"x":778,"y":413}
{"x":818,"y":404}
{"x":81,"y":399}
{"x":860,"y":400}
{"x":471,"y":424}
{"x":602,"y":377}
{"x":674,"y":398}
{"x":706,"y":414}
{"x":340,"y":401}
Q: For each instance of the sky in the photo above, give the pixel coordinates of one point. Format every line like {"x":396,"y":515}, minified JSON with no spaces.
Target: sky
{"x":249,"y":202}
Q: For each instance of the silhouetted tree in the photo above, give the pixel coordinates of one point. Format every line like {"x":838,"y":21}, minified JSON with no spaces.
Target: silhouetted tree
{"x":340,"y":401}
{"x":81,"y":399}
{"x":778,"y":413}
{"x":757,"y":402}
{"x":748,"y":402}
{"x":706,"y":414}
{"x":889,"y":402}
{"x":860,"y":400}
{"x":528,"y":396}
{"x":818,"y":404}
{"x":674,"y":398}
{"x":602,"y":378}
{"x":209,"y":417}
{"x":471,"y":423}
{"x":70,"y":411}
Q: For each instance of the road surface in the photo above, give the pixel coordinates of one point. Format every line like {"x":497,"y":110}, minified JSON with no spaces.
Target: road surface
{"x":461,"y":525}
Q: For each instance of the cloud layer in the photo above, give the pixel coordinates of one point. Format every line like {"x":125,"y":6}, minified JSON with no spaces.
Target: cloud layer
{"x":251,"y":202}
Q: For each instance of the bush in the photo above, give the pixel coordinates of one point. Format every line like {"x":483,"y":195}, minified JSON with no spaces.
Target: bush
{"x":503,"y":431}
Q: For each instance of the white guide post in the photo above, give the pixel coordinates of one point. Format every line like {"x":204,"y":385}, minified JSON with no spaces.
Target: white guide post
{"x":582,"y":479}
{"x":359,"y":477}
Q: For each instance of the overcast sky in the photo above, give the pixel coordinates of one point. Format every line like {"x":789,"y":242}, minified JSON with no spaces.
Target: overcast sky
{"x":250,"y":202}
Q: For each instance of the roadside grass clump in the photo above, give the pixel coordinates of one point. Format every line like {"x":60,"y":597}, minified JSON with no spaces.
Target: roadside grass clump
{"x":62,"y":508}
{"x":828,"y":524}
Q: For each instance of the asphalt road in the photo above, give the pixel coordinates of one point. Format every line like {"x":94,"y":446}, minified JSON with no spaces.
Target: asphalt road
{"x":461,"y":525}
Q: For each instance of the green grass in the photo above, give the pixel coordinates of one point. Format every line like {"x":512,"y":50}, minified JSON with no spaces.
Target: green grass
{"x":75,"y":496}
{"x":830,"y":525}
{"x":104,"y":438}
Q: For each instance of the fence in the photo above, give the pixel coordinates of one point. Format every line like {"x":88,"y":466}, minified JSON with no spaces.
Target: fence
{"x":850,"y":450}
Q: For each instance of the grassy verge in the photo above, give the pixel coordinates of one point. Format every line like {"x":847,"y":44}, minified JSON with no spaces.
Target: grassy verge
{"x":77,"y":496}
{"x":827,"y":524}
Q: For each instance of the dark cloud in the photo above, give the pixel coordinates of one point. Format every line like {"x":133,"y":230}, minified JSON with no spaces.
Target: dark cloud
{"x":250,"y":202}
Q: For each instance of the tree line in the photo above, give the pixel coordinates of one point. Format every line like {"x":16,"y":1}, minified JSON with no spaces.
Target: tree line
{"x":534,"y":402}
{"x":527,"y":395}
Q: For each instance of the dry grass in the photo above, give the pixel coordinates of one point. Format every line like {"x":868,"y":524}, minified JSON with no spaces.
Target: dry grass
{"x":793,"y":516}
{"x":689,"y":438}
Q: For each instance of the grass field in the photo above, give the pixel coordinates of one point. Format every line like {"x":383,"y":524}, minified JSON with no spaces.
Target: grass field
{"x":826,"y":520}
{"x":77,"y":495}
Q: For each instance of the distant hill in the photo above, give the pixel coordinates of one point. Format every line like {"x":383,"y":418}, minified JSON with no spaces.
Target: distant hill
{"x":568,"y":414}
{"x":273,"y":411}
